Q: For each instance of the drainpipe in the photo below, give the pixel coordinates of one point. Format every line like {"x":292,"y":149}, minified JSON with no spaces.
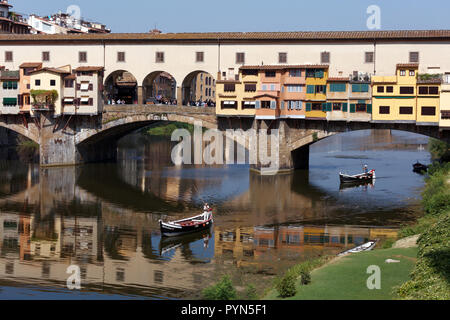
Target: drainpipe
{"x":374,"y":57}
{"x":218,"y":59}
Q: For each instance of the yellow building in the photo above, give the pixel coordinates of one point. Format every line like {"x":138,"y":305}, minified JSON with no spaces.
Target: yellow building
{"x":235,"y":94}
{"x":316,"y":91}
{"x":46,"y":87}
{"x":428,"y":101}
{"x":394,"y":97}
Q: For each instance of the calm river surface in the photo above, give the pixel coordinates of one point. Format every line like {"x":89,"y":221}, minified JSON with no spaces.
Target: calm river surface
{"x":104,"y":217}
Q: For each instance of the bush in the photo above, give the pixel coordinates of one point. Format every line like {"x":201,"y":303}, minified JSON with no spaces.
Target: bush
{"x":286,"y":286}
{"x":305,"y":278}
{"x":223,"y":290}
{"x":250,"y":293}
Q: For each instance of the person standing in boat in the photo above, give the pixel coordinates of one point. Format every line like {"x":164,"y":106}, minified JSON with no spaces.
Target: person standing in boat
{"x":366,"y":169}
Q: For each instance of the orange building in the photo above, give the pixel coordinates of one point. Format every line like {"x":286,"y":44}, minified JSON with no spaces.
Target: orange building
{"x":24,"y":84}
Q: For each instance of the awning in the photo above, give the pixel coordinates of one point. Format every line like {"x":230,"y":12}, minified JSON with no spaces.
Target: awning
{"x":84,"y":86}
{"x":84,"y":99}
{"x":9,"y":101}
{"x":68,"y":100}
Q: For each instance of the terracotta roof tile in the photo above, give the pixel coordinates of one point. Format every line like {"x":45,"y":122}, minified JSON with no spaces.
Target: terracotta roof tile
{"x":284,"y":67}
{"x":88,"y":69}
{"x":408,"y":65}
{"x":339,"y":79}
{"x":31,"y":65}
{"x":240,"y":36}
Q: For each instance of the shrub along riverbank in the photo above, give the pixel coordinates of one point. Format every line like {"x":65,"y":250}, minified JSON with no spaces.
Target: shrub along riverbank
{"x":422,"y":273}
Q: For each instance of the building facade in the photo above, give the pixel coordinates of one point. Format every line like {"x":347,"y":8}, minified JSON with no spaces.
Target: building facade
{"x":9,"y":96}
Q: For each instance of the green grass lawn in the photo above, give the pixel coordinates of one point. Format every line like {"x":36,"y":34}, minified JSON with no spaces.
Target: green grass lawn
{"x":346,"y":279}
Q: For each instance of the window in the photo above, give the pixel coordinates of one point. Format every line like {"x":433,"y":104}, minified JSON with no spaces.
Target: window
{"x":8,"y":56}
{"x":428,"y":111}
{"x":248,"y":104}
{"x":325,"y":57}
{"x":82,"y":56}
{"x":433,"y":90}
{"x":37,"y":82}
{"x":406,"y":90}
{"x":406,"y":110}
{"x":294,"y":88}
{"x":389,"y":89}
{"x":414,"y":57}
{"x":369,"y":57}
{"x":121,"y":56}
{"x":52,"y":83}
{"x":240,"y":57}
{"x":296,"y":73}
{"x":199,"y":57}
{"x":159,"y":57}
{"x":380,"y":89}
{"x":316,"y":107}
{"x":282,"y":57}
{"x":412,"y":73}
{"x":270,"y":74}
{"x":46,"y":56}
{"x":68,"y":83}
{"x":229,"y":105}
{"x":266,"y":104}
{"x":229,"y":87}
{"x":250,"y":87}
{"x":337,"y":106}
{"x":320,"y":89}
{"x":294,"y":105}
{"x":249,"y":72}
{"x":403,"y":73}
{"x":272,"y":87}
{"x":423,"y":90}
{"x":385,"y":110}
{"x":361,"y":107}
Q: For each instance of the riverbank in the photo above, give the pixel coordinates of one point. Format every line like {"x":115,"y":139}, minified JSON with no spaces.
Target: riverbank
{"x":345,"y":278}
{"x":421,"y":270}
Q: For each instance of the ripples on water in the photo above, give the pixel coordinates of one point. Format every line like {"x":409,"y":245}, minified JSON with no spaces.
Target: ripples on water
{"x":104,"y":217}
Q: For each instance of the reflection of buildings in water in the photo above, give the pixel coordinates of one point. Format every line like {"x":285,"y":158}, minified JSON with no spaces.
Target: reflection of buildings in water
{"x":109,"y":256}
{"x":249,"y":246}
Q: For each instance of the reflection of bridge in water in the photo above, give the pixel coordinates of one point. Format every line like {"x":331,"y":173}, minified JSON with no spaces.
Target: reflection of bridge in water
{"x":65,"y":216}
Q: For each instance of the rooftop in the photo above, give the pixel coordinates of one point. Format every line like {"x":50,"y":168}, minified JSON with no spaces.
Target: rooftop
{"x":241,"y":36}
{"x":284,"y":67}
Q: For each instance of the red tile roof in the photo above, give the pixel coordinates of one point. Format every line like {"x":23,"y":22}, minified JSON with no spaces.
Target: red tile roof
{"x":408,"y":65}
{"x":88,"y":69}
{"x":339,"y":79}
{"x":31,"y":65}
{"x":53,"y":70}
{"x":241,"y":36}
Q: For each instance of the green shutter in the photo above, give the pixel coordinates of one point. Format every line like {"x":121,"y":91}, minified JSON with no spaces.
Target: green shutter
{"x":5,"y":85}
{"x":319,"y":73}
{"x":14,"y":85}
{"x":324,"y":106}
{"x":364,"y":87}
{"x":356,"y":88}
{"x":352,"y":108}
{"x":345,"y":107}
{"x":310,"y":89}
{"x":369,"y":108}
{"x":308,"y":106}
{"x":329,"y":106}
{"x":9,"y":101}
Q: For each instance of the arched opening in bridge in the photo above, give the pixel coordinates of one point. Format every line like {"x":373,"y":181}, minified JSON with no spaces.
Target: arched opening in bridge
{"x":159,"y":87}
{"x":121,"y":88}
{"x":199,"y":89}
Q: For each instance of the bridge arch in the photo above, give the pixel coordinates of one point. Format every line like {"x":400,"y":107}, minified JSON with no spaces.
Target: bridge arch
{"x":121,"y":85}
{"x":159,"y":86}
{"x":22,"y":130}
{"x":198,"y":85}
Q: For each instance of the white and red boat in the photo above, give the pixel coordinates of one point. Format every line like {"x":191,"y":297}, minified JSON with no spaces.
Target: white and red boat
{"x":189,"y":225}
{"x":363,"y":177}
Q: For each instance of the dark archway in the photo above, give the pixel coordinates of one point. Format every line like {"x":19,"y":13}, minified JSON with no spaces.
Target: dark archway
{"x":120,"y":86}
{"x":199,"y":86}
{"x":159,"y":87}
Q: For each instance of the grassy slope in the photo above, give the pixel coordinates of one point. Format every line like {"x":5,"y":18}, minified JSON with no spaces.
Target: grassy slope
{"x":345,"y":278}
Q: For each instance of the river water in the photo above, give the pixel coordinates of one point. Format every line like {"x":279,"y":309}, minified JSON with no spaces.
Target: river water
{"x":103,"y":218}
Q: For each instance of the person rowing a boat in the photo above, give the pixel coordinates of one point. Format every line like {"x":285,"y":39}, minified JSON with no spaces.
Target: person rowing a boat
{"x":366,"y":169}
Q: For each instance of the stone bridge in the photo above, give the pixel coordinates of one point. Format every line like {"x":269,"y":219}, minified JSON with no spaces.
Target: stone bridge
{"x":72,"y":140}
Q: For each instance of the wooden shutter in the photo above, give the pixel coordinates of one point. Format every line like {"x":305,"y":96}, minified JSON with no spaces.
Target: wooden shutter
{"x":91,"y":87}
{"x":78,"y":86}
{"x":352,"y":108}
{"x":329,"y":106}
{"x":308,"y":106}
{"x":345,"y":107}
{"x":273,"y":104}
{"x":364,"y":87}
{"x":310,"y":89}
{"x":282,"y":105}
{"x":369,"y":108}
{"x":91,"y":101}
{"x":258,"y":104}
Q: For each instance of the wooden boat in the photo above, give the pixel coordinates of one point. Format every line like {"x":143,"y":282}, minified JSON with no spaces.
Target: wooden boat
{"x":364,"y":247}
{"x":168,"y":244}
{"x":363,"y":177}
{"x":418,"y":167}
{"x":194,"y":224}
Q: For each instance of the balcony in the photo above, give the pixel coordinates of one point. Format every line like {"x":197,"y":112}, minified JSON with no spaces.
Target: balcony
{"x":43,"y":100}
